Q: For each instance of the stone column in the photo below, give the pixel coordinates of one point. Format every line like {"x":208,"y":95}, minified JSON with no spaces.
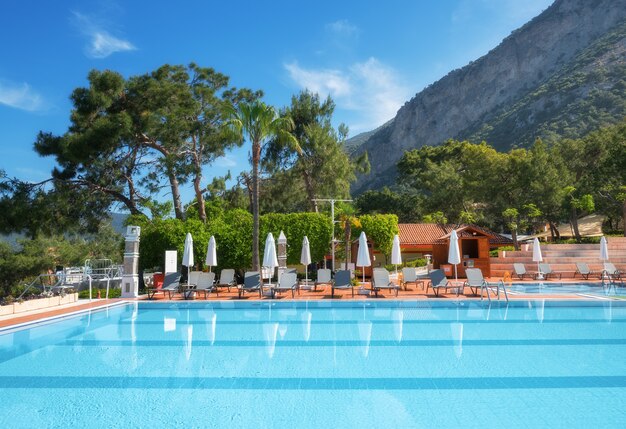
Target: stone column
{"x":130,"y":279}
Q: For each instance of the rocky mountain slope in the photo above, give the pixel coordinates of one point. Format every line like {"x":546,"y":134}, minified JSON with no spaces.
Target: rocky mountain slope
{"x":562,"y":73}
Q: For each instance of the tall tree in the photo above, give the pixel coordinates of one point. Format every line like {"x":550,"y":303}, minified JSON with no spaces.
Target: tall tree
{"x":99,"y":151}
{"x":548,"y":179}
{"x":321,"y":163}
{"x":127,"y":135}
{"x":258,"y":123}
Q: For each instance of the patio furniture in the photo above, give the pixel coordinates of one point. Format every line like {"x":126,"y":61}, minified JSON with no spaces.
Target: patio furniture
{"x":438,"y":281}
{"x":583,"y":269}
{"x":381,"y":280}
{"x":409,"y":275}
{"x":546,"y":271}
{"x":193,"y":277}
{"x":343,"y":280}
{"x":520,"y":271}
{"x":205,"y":284}
{"x":324,"y":277}
{"x":288,"y":281}
{"x":475,"y":280}
{"x":171,"y":284}
{"x":227,"y":279}
{"x":611,"y":271}
{"x":251,"y":283}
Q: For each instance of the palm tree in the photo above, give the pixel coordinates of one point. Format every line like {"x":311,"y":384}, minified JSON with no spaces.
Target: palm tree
{"x":258,"y":123}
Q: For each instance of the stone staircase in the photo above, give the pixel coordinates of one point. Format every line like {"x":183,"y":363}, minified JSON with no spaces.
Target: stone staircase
{"x":563,"y":257}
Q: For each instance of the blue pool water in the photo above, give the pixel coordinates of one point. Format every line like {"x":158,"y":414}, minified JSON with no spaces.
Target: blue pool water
{"x":557,"y":288}
{"x":410,"y":364}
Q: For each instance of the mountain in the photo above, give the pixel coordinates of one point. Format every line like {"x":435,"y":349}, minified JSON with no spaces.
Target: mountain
{"x":353,"y":143}
{"x":561,"y":74}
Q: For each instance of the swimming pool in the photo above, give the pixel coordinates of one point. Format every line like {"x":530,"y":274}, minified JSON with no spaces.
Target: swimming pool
{"x":336,"y":364}
{"x":565,"y":288}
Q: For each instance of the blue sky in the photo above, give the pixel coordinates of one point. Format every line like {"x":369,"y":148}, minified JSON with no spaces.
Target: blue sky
{"x":370,"y":56}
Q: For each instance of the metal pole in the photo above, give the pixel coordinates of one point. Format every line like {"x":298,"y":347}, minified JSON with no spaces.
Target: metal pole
{"x":332,"y":243}
{"x":333,"y":222}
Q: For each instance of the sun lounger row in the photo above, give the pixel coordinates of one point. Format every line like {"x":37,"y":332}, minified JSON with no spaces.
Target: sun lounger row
{"x":582,"y":269}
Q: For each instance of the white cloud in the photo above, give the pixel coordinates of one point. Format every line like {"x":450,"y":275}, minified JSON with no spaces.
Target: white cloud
{"x":322,"y":81}
{"x":225,"y":162}
{"x":343,"y":27}
{"x":20,"y":96}
{"x":371,"y":89}
{"x":101,"y":42}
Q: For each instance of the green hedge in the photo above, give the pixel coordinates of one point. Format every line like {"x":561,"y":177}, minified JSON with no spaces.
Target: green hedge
{"x":233,"y":236}
{"x":380,"y":229}
{"x":317,"y":228}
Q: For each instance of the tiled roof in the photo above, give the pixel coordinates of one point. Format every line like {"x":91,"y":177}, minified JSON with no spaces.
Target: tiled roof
{"x":428,"y":233}
{"x":422,"y":233}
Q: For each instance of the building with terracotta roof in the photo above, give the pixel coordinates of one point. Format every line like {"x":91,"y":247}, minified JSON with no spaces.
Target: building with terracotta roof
{"x":417,"y":240}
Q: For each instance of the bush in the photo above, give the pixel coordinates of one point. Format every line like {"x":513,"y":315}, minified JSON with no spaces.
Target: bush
{"x":494,"y":253}
{"x":317,"y":228}
{"x":380,"y":229}
{"x":233,"y":235}
{"x":113,"y":293}
{"x":419,"y":262}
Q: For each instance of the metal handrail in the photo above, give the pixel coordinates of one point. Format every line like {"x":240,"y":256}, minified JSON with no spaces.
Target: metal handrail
{"x":42,"y":285}
{"x":78,"y":275}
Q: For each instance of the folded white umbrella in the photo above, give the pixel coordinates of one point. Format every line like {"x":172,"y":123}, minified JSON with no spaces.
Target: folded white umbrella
{"x":188,"y":253}
{"x":211,"y":254}
{"x":454,"y":255}
{"x":363,"y":255}
{"x":270,"y":260}
{"x":604,"y":249}
{"x":305,"y":257}
{"x":396,"y":256}
{"x":537,"y":255}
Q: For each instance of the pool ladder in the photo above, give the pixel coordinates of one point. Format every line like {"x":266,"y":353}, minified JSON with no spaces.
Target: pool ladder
{"x":490,"y":287}
{"x":608,"y":281}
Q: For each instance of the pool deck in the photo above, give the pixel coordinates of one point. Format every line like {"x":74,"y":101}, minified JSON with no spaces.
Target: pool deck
{"x":323,"y":293}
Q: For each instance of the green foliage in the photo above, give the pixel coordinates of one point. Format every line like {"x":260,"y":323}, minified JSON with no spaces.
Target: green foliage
{"x":318,"y":166}
{"x":380,"y":229}
{"x":233,"y":235}
{"x":521,"y":189}
{"x":317,"y":227}
{"x":259,"y":123}
{"x":36,"y":256}
{"x":406,"y":205}
{"x":587,"y":94}
{"x":437,"y":217}
{"x":419,"y":262}
{"x":129,"y":135}
{"x":494,"y":253}
{"x":113,"y":293}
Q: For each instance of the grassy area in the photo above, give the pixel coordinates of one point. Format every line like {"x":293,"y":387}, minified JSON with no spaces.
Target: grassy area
{"x":113,"y":293}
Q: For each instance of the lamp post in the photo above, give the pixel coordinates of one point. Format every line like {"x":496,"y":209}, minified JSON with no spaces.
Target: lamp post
{"x":332,"y":202}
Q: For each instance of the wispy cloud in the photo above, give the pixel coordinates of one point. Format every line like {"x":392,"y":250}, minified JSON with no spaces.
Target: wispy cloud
{"x":225,"y":162}
{"x":323,"y":81}
{"x":101,"y":42}
{"x":20,"y":96}
{"x":343,"y":27}
{"x":371,"y":89}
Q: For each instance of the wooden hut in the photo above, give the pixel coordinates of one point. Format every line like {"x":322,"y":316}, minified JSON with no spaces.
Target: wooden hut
{"x":474,"y":245}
